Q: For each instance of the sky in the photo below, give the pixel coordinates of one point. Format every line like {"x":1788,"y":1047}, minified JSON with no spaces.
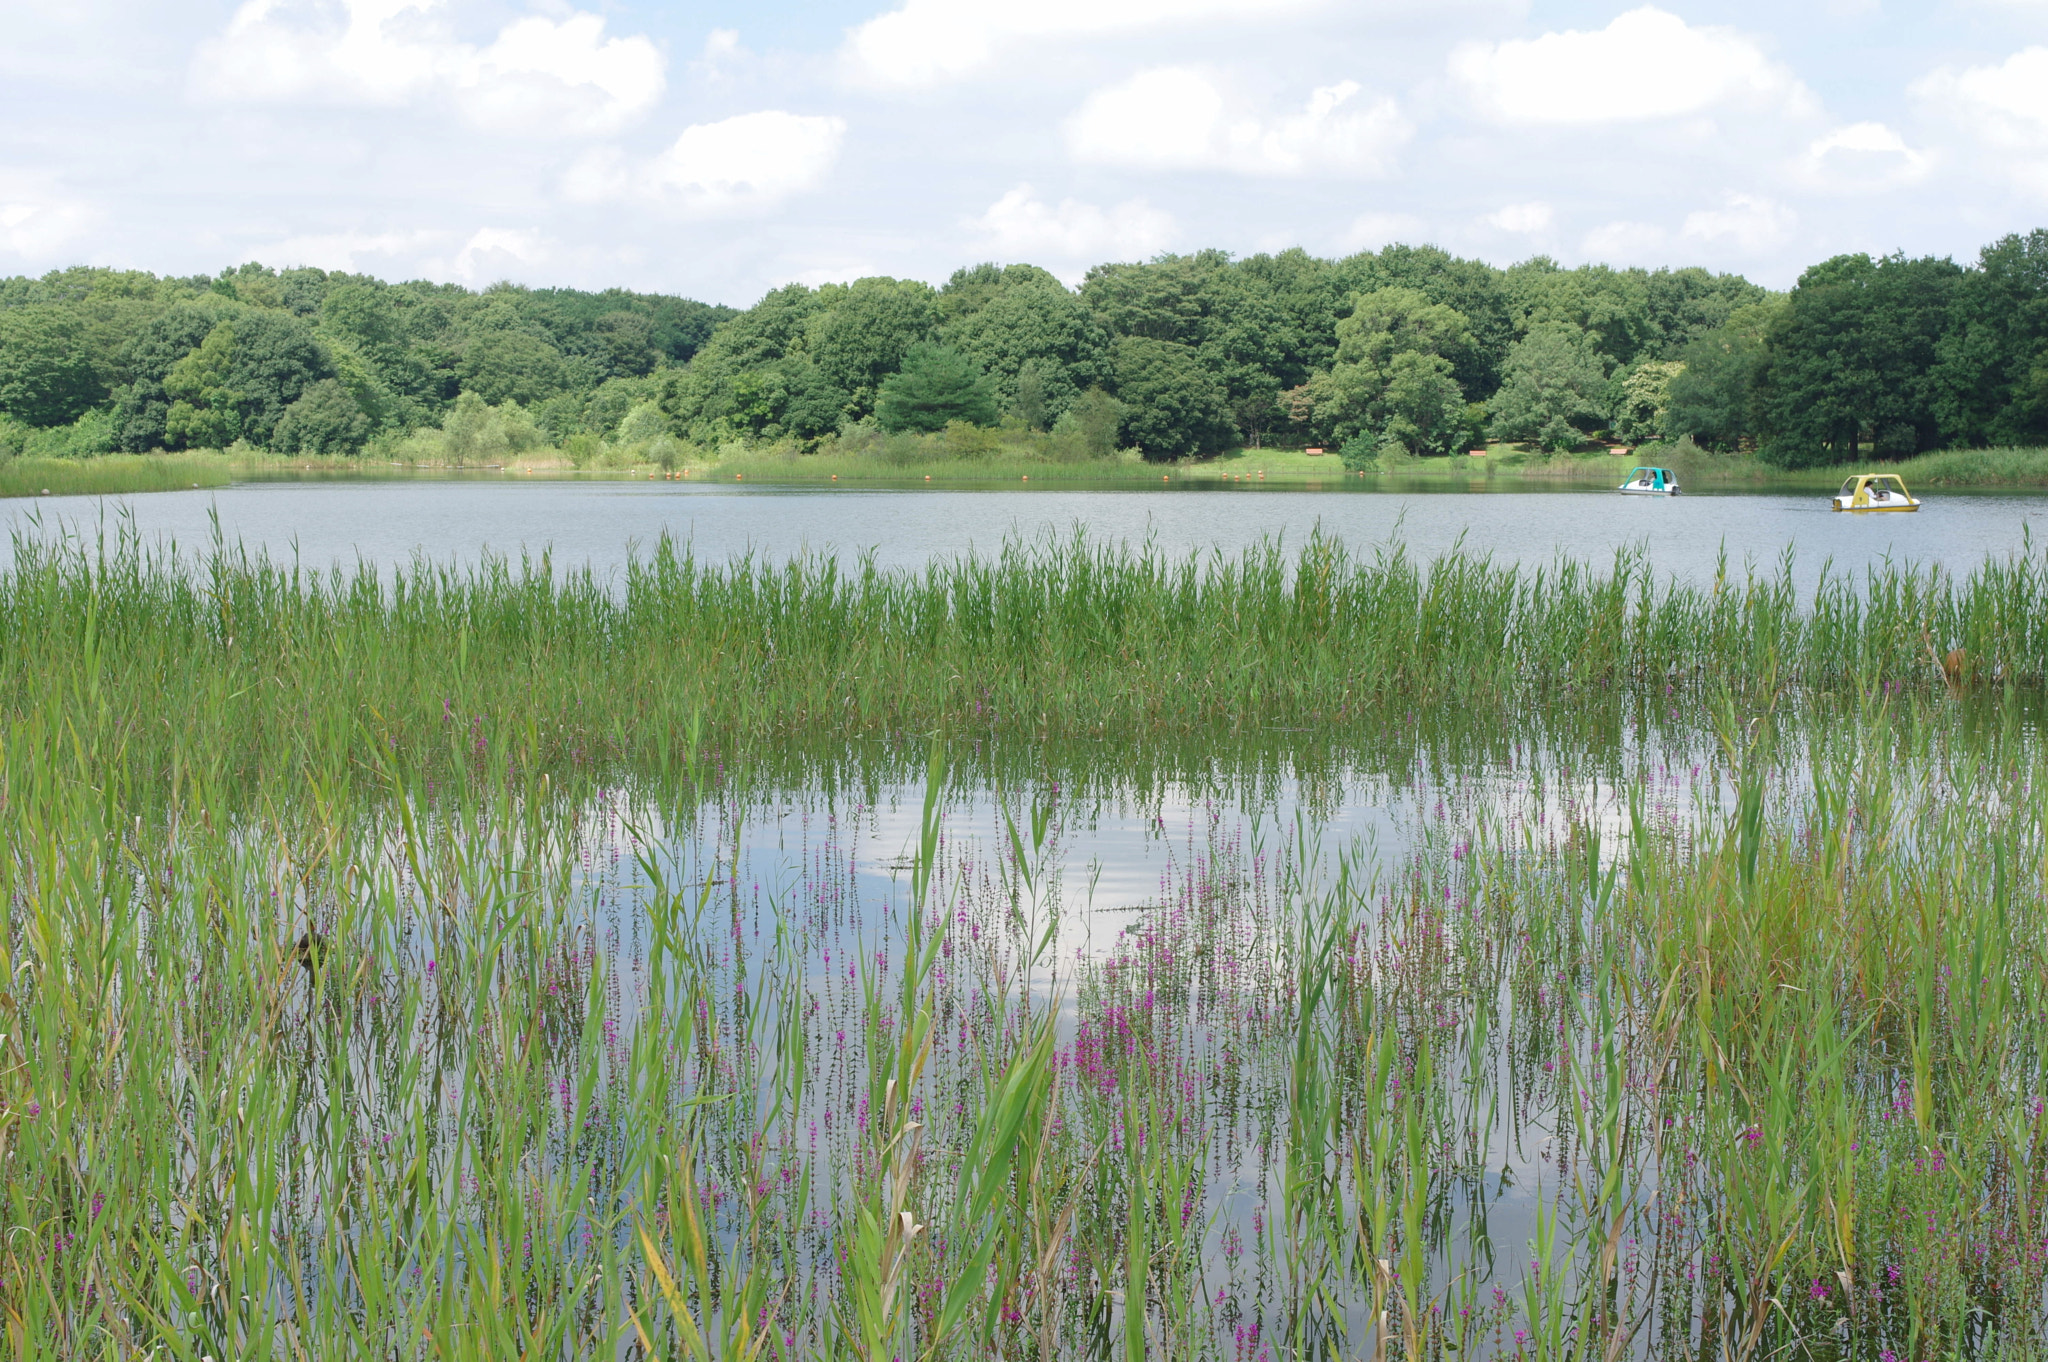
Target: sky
{"x":722,"y":149}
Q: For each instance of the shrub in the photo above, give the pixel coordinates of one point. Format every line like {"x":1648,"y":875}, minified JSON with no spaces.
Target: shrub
{"x":1359,"y":453}
{"x":476,"y":432}
{"x":91,"y":434}
{"x":1087,"y":429}
{"x":965,"y":440}
{"x":582,"y":449}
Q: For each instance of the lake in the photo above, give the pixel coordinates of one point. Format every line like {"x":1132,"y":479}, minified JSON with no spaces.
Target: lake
{"x":600,"y":523}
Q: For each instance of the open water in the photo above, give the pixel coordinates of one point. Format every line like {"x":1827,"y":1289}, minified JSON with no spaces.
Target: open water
{"x":602,"y":523}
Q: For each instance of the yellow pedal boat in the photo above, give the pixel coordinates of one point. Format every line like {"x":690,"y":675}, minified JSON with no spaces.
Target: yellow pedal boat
{"x":1875,"y":492}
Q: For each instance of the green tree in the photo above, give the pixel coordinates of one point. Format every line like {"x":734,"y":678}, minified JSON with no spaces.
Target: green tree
{"x":1028,"y":323}
{"x":1553,"y":389}
{"x":256,"y":369}
{"x":1686,"y":304}
{"x":1713,"y":397}
{"x":1990,"y":381}
{"x":973,"y":287}
{"x":1645,"y":398}
{"x":47,"y":376}
{"x":812,"y":405}
{"x":502,"y":357}
{"x":936,"y":385}
{"x":1032,"y":394}
{"x":324,"y":420}
{"x":863,"y":332}
{"x":403,"y":340}
{"x":1228,"y":315}
{"x":1709,"y":398}
{"x":1849,"y":361}
{"x":1392,"y":379}
{"x":746,"y":375}
{"x":277,"y":356}
{"x":1472,"y":288}
{"x":1423,"y":408}
{"x":141,"y":406}
{"x":205,"y":412}
{"x":1173,"y":404}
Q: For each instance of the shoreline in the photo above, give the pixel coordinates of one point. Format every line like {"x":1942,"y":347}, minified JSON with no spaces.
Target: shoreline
{"x":1951,"y":471}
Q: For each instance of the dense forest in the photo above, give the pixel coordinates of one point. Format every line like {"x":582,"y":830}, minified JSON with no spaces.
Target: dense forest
{"x":1407,"y":350}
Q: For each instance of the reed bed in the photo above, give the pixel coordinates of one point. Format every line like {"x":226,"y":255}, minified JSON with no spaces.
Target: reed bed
{"x":1740,"y":1059}
{"x":229,"y":661}
{"x":109,"y":474}
{"x":376,"y":987}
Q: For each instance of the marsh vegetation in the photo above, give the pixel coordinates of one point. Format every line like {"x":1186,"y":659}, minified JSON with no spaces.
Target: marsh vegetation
{"x":509,"y":963}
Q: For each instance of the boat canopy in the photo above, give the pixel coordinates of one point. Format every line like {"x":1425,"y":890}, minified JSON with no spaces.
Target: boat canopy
{"x":1656,"y":479}
{"x":1875,"y":487}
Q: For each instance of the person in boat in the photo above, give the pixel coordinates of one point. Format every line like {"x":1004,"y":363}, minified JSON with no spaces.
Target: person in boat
{"x":1644,"y":480}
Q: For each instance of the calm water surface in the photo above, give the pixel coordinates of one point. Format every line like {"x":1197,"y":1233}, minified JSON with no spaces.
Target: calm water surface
{"x":602,"y":523}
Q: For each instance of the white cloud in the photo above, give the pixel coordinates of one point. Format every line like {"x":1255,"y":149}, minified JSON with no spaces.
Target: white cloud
{"x":1627,"y":242}
{"x":344,"y":250}
{"x":1177,"y":118}
{"x":1521,"y":218}
{"x":1646,"y":64}
{"x":356,"y":51}
{"x":1370,"y":231}
{"x":1862,"y":156}
{"x":36,"y":217}
{"x":494,"y":252}
{"x":1022,"y":224}
{"x":539,"y":75}
{"x":1751,"y":223}
{"x":845,"y":271}
{"x":2006,"y":104}
{"x":543,"y":74}
{"x":721,"y":50}
{"x":931,"y":42}
{"x":748,"y":162}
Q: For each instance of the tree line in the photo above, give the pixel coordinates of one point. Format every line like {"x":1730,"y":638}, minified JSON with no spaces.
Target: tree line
{"x":1402,"y":351}
{"x":309,"y":361}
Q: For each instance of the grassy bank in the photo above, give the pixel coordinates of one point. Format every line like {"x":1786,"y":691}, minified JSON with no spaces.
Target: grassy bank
{"x":1961,"y":469}
{"x":112,"y":473}
{"x":1017,"y":464}
{"x":1505,"y":467}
